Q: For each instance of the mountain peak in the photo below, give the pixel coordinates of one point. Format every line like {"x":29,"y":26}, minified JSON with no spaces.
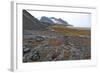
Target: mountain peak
{"x":53,"y":20}
{"x":32,"y":23}
{"x":45,"y":19}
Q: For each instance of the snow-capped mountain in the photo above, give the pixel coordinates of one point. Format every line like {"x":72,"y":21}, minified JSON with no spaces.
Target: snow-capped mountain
{"x":53,"y":20}
{"x":58,"y":21}
{"x":46,"y":20}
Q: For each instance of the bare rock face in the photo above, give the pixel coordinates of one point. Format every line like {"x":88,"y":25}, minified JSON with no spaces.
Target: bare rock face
{"x":31,"y":23}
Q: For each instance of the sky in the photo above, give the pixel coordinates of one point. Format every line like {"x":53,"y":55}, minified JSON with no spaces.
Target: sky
{"x":75,"y":19}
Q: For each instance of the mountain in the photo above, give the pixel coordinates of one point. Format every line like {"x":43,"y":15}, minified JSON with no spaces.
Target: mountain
{"x":62,"y":21}
{"x":53,"y":20}
{"x":46,"y":20}
{"x":58,"y":21}
{"x":32,"y":23}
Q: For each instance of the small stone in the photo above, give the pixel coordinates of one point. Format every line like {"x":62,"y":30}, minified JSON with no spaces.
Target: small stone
{"x":35,"y":56}
{"x":26,"y":50}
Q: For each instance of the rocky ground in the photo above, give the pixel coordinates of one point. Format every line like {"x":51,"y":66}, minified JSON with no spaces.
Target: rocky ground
{"x":54,"y":47}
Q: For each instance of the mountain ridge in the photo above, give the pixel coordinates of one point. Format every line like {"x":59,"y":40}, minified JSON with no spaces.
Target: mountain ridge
{"x":53,"y":20}
{"x":32,"y":23}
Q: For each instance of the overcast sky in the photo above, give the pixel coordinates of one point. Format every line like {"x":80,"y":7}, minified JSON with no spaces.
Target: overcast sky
{"x":75,"y":19}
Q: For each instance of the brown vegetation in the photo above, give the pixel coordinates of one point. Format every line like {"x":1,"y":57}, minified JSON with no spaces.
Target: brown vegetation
{"x":55,"y":42}
{"x":70,"y":31}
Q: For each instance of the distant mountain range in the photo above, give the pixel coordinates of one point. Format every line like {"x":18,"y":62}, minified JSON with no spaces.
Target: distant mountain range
{"x":32,"y":23}
{"x":53,"y":20}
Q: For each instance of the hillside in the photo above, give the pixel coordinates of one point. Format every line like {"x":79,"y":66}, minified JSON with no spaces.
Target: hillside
{"x":71,"y":30}
{"x":32,"y":23}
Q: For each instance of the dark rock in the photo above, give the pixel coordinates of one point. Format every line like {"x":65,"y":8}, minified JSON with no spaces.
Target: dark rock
{"x":53,"y":20}
{"x":39,"y":38}
{"x":32,"y":23}
{"x":35,"y":56}
{"x":45,"y":19}
{"x":26,"y":50}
